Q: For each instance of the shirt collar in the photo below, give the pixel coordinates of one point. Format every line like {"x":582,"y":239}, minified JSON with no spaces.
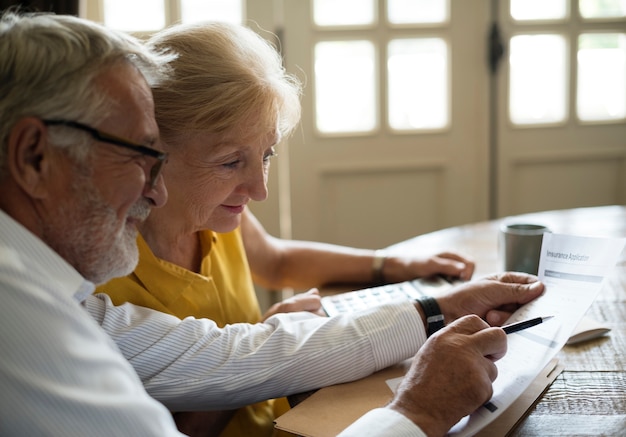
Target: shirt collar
{"x":37,"y":257}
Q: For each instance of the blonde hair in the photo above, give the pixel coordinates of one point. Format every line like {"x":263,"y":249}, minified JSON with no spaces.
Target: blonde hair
{"x":225,"y":78}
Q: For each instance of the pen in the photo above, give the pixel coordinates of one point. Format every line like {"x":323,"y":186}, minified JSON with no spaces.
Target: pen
{"x":514,"y":327}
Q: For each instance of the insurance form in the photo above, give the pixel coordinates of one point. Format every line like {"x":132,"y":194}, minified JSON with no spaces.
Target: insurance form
{"x":573,"y":269}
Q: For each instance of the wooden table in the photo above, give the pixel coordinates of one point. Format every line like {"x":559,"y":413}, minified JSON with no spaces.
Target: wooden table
{"x":589,"y":397}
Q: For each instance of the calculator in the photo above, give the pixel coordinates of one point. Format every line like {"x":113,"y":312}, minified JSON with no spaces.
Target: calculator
{"x":368,"y":297}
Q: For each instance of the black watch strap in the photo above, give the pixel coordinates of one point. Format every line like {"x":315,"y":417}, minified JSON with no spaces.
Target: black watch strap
{"x":434,"y":318}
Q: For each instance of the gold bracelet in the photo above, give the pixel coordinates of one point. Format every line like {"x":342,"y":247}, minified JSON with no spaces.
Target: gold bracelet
{"x":377,"y":266}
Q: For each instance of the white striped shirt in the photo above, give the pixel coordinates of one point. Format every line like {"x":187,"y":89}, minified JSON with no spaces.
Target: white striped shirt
{"x":61,"y":375}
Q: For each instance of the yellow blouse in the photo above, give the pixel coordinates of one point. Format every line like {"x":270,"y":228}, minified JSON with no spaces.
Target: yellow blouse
{"x":223,"y":292}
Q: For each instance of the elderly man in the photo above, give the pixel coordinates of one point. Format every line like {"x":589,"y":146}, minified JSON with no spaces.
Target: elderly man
{"x":79,"y":169}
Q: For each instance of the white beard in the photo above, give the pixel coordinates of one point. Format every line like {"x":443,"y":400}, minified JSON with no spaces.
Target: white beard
{"x":88,"y":234}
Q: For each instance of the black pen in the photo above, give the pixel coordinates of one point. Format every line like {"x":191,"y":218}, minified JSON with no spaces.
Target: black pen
{"x":514,"y":327}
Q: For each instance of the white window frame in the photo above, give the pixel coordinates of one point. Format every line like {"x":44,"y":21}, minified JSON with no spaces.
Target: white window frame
{"x":94,"y":10}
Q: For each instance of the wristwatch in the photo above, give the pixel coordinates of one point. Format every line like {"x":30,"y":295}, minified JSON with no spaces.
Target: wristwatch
{"x":434,"y":318}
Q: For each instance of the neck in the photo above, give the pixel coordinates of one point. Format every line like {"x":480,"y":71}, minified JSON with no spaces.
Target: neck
{"x":175,"y":245}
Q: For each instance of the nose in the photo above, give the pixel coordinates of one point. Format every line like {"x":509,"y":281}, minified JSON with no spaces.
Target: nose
{"x":256,"y":183}
{"x":157,"y":193}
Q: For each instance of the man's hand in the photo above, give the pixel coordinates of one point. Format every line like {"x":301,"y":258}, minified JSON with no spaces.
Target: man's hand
{"x":451,"y":375}
{"x":493,"y":298}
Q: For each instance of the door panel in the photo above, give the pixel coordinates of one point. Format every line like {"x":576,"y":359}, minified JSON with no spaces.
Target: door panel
{"x":375,"y":188}
{"x":355,"y":199}
{"x":567,"y":163}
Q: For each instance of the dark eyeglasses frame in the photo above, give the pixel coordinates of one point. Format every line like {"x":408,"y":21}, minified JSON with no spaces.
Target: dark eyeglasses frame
{"x":161,"y":157}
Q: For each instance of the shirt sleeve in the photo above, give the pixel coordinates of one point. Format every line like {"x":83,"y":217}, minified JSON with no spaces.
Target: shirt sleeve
{"x":193,"y":364}
{"x":383,"y":422}
{"x":60,"y":375}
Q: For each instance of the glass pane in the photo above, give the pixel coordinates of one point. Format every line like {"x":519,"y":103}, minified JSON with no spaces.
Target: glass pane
{"x":344,"y":12}
{"x":212,"y":10}
{"x":345,"y":86}
{"x":602,"y":8}
{"x":417,"y":11}
{"x":601,"y":77}
{"x":418,"y":84}
{"x":522,"y":10}
{"x":538,"y":79}
{"x":135,"y":16}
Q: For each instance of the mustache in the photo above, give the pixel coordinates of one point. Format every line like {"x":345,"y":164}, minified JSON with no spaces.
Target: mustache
{"x":140,"y":210}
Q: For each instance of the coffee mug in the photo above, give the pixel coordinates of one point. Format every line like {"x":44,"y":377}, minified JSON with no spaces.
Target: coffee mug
{"x":520,"y":246}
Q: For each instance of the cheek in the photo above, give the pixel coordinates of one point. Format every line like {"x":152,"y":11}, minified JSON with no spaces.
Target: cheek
{"x":202,"y":197}
{"x":120,"y":190}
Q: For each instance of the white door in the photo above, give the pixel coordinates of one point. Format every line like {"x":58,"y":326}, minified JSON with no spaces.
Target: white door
{"x":561,"y":122}
{"x":394,"y":135}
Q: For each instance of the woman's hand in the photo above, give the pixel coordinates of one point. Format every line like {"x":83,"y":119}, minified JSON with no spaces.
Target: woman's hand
{"x":309,"y":301}
{"x":401,"y":268}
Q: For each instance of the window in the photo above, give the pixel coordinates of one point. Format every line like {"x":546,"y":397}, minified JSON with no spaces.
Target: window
{"x":538,"y":79}
{"x":144,"y":16}
{"x":345,"y":78}
{"x":349,"y":69}
{"x":601,"y":86}
{"x":541,"y":10}
{"x":417,"y":71}
{"x":401,"y":82}
{"x":541,"y":71}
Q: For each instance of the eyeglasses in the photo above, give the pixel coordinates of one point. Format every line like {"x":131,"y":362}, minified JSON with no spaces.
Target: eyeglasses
{"x":161,"y":157}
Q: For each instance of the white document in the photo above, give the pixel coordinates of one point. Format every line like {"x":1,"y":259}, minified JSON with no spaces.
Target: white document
{"x":573,"y":270}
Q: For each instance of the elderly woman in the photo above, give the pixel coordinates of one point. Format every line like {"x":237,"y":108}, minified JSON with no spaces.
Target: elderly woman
{"x":226,"y":108}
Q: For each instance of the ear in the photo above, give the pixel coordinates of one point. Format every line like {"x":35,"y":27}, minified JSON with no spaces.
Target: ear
{"x":29,"y":156}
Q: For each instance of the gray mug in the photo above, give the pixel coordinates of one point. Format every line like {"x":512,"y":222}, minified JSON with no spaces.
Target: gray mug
{"x":520,"y":246}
